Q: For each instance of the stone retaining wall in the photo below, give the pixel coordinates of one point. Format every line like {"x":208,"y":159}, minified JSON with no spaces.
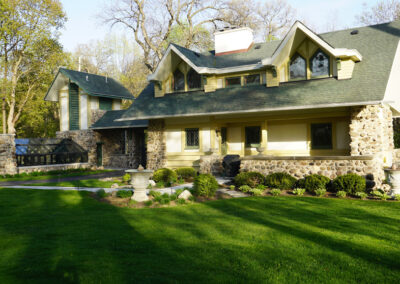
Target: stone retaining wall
{"x":47,"y":168}
{"x":8,"y":161}
{"x":211,"y":164}
{"x":327,"y":166}
{"x":156,"y":145}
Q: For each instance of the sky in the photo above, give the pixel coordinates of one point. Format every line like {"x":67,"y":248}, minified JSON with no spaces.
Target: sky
{"x":84,"y":24}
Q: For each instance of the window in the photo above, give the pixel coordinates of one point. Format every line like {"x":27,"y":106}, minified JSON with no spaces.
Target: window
{"x":319,"y":64}
{"x":192,"y":138}
{"x":252,"y":79}
{"x":179,"y":81}
{"x":253,"y":136}
{"x":193,"y":79}
{"x":321,"y":136}
{"x":105,"y":103}
{"x":232,"y":81}
{"x":297,"y":68}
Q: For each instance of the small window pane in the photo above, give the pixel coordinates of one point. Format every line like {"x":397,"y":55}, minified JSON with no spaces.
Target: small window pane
{"x":179,"y":81}
{"x":298,"y":67}
{"x":252,"y":79}
{"x":232,"y":81}
{"x":321,"y":136}
{"x":320,"y":64}
{"x":192,"y":137}
{"x":194,"y":79}
{"x":253,"y":136}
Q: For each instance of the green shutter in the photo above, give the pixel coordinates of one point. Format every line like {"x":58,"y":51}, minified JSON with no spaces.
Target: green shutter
{"x":73,"y":106}
{"x":105,"y":103}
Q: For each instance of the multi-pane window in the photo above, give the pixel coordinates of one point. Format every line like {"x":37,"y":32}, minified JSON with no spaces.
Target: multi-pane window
{"x":298,"y":68}
{"x":179,"y":81}
{"x":319,"y":64}
{"x":252,"y":79}
{"x":192,"y":138}
{"x":321,"y":136}
{"x":253,"y":136}
{"x":193,"y":79}
{"x":232,"y":81}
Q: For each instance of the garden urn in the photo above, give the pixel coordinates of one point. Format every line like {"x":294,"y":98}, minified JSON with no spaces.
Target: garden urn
{"x":140,"y":181}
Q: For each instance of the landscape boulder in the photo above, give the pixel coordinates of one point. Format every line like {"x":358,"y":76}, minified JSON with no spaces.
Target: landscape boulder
{"x":185,"y":194}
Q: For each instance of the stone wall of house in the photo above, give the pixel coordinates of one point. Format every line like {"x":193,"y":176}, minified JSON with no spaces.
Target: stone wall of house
{"x":96,"y":114}
{"x":87,"y":139}
{"x":8,"y":162}
{"x":156,"y":145}
{"x":300,"y":167}
{"x":211,"y":164}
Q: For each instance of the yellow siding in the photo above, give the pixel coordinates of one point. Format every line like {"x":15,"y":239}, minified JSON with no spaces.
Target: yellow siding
{"x":346,"y":70}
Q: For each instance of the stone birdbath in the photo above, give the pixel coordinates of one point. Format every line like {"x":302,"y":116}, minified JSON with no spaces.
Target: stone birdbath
{"x":393,"y":177}
{"x":140,"y":180}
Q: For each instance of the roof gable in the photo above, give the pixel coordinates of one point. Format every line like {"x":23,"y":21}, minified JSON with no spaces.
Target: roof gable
{"x":94,"y":85}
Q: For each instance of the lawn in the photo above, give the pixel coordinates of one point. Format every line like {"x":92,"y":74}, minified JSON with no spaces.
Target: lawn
{"x":56,"y":236}
{"x":57,"y":174}
{"x":80,"y":183}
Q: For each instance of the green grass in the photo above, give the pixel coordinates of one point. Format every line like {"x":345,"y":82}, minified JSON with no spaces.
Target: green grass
{"x":79,"y":183}
{"x":52,"y":176}
{"x":56,"y":236}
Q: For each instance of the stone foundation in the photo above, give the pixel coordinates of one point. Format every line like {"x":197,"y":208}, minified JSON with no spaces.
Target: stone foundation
{"x":300,"y":167}
{"x":156,"y":145}
{"x":8,"y":161}
{"x":211,"y":164}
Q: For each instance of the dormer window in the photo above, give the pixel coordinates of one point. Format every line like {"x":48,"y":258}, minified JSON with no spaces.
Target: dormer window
{"x":179,"y":81}
{"x":253,"y":79}
{"x":319,"y":64}
{"x":193,"y":80}
{"x":298,"y":68}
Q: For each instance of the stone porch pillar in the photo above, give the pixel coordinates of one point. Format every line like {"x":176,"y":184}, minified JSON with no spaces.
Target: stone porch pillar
{"x":156,"y":145}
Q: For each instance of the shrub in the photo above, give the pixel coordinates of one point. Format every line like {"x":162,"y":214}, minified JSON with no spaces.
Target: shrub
{"x":126,"y":178}
{"x":232,"y":187}
{"x":124,"y":193}
{"x":181,"y":181}
{"x":320,"y":192}
{"x":299,"y":191}
{"x":148,"y":203}
{"x":192,"y":198}
{"x":397,"y":197}
{"x":341,"y":194}
{"x":205,"y":185}
{"x":186,"y":173}
{"x":280,"y":181}
{"x":256,"y":191}
{"x":276,"y":192}
{"x":160,"y":184}
{"x":154,"y":193}
{"x":165,"y":175}
{"x":351,"y":183}
{"x":362,"y":195}
{"x":181,"y":201}
{"x":376,"y":193}
{"x":165,"y":199}
{"x":245,"y":188}
{"x":179,"y":191}
{"x":385,"y":196}
{"x":261,"y":186}
{"x":313,"y":182}
{"x":101,"y":193}
{"x":251,"y":179}
{"x":132,"y":202}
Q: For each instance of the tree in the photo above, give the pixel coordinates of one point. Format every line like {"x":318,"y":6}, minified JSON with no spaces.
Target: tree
{"x":384,"y":11}
{"x":153,"y":21}
{"x":28,"y":38}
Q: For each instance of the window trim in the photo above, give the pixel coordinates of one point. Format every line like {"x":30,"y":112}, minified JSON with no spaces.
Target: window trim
{"x":252,"y":84}
{"x":328,"y":147}
{"x":233,"y":86}
{"x":187,"y":147}
{"x":310,"y":64}
{"x":305,"y":68}
{"x":252,"y":145}
{"x":187,"y":81}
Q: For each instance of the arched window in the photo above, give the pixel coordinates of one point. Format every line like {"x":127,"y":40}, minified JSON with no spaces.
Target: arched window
{"x":179,"y":81}
{"x":298,"y":68}
{"x":319,"y":64}
{"x":193,"y":79}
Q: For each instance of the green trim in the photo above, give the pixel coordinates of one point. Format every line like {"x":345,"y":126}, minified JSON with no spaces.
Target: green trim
{"x":73,"y":107}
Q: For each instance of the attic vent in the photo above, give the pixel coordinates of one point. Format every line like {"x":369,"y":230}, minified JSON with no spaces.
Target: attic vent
{"x":195,"y":53}
{"x":355,"y":32}
{"x":257,"y":46}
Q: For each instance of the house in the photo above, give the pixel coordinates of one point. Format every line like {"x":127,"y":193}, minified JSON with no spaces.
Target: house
{"x":309,"y":103}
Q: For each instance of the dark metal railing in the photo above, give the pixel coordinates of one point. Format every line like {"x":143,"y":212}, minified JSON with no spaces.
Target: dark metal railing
{"x":51,"y":159}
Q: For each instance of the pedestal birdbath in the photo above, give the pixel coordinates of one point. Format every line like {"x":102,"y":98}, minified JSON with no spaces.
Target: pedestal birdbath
{"x":140,"y":180}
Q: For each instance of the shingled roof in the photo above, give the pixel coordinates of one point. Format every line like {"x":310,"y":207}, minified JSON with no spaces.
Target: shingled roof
{"x":377,"y":44}
{"x":110,"y":120}
{"x":91,"y":84}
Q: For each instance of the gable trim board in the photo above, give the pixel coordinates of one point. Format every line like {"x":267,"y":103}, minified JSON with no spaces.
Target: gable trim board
{"x":392,"y":92}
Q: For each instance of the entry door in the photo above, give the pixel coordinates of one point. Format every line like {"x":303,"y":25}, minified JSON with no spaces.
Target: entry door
{"x":224,"y":144}
{"x":99,"y":154}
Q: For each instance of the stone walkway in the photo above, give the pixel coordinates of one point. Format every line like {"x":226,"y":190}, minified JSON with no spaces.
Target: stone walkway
{"x":168,"y":190}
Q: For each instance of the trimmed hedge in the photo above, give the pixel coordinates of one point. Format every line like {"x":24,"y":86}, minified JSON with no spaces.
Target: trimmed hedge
{"x":350,"y":183}
{"x":280,"y":180}
{"x":252,"y":179}
{"x":313,"y":182}
{"x":205,"y":185}
{"x":185,"y":173}
{"x":165,"y":175}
